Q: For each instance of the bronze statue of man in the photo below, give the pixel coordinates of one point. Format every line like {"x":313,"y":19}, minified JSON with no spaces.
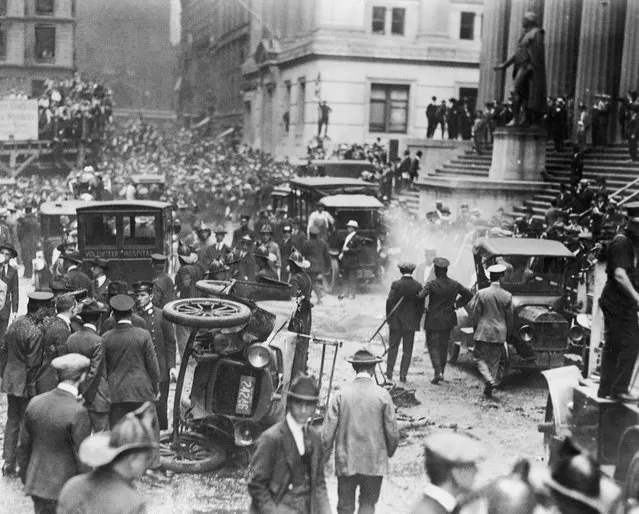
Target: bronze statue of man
{"x":529,"y":74}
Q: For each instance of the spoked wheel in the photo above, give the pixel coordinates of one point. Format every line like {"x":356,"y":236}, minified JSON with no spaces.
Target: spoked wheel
{"x":502,"y":370}
{"x":207,"y":312}
{"x":331,"y":279}
{"x":191,"y":453}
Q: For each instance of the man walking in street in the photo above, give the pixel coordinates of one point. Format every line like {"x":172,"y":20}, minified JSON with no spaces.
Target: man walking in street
{"x":492,"y":314}
{"x":87,"y":342}
{"x":29,"y":237}
{"x":55,"y":424}
{"x":287,"y":468}
{"x":316,"y":252}
{"x":20,"y":362}
{"x":9,"y":275}
{"x":404,"y":321}
{"x":163,"y":287}
{"x":349,"y":257}
{"x":164,"y":342}
{"x":360,"y":421}
{"x":444,"y":296}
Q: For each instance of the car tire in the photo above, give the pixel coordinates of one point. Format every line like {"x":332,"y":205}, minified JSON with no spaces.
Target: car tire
{"x":197,"y":453}
{"x":207,"y":313}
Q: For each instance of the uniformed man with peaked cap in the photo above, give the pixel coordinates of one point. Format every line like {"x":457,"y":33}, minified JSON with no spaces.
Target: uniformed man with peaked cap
{"x":450,"y":459}
{"x":163,"y":287}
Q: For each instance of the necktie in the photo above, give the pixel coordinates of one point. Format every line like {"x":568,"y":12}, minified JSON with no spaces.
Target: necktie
{"x":4,"y":272}
{"x":307,"y":440}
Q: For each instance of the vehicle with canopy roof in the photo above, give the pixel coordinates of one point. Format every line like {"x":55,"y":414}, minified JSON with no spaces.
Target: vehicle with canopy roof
{"x":148,"y":186}
{"x":543,"y":325}
{"x":56,"y":220}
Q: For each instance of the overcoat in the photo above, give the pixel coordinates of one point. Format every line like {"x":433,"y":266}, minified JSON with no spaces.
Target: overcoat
{"x":22,"y":349}
{"x":164,"y":340}
{"x":409,"y":313}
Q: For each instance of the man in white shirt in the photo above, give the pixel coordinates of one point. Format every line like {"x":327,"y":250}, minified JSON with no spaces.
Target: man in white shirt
{"x":349,"y":257}
{"x":321,"y":220}
{"x":451,"y":465}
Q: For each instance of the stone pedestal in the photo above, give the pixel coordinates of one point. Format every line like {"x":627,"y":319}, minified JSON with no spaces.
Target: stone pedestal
{"x":519,"y":153}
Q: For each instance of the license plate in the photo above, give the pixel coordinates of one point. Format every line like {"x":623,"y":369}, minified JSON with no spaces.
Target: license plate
{"x":244,"y":404}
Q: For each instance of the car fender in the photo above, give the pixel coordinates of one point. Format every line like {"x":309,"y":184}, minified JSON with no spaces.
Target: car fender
{"x":561,"y":383}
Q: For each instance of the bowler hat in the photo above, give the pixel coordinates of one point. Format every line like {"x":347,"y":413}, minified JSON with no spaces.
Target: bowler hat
{"x":298,"y":259}
{"x":121,"y":303}
{"x":142,"y":287}
{"x":441,"y":262}
{"x":117,"y":287}
{"x":158,"y":258}
{"x":133,"y":432}
{"x":304,"y":388}
{"x":364,"y":357}
{"x":453,"y":448}
{"x":5,"y":245}
{"x":99,"y":261}
{"x":91,"y":306}
{"x":406,"y":267}
{"x":220,"y":230}
{"x":70,"y":363}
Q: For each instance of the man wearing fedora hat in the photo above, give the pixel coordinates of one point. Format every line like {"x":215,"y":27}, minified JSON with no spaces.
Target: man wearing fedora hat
{"x":287,"y":468}
{"x":54,"y":426}
{"x":491,"y":312}
{"x":405,"y":320}
{"x":100,"y":280}
{"x":163,"y":285}
{"x":20,"y":362}
{"x":444,"y":296}
{"x":349,"y":257}
{"x":242,"y":230}
{"x":619,"y":302}
{"x":219,"y":249}
{"x":77,"y":278}
{"x":243,"y":262}
{"x":360,"y":421}
{"x":118,"y":458}
{"x":9,"y":275}
{"x":86,"y":341}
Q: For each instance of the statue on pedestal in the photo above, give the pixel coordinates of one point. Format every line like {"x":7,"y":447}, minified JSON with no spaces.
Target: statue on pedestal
{"x":529,"y":74}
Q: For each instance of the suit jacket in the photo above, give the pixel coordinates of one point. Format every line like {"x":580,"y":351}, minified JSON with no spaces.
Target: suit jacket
{"x":239,"y":233}
{"x":163,"y":290}
{"x":273,"y":467}
{"x":350,"y":259}
{"x":29,"y":232}
{"x":78,"y":279}
{"x":409,"y":313}
{"x":445,"y":295}
{"x":54,"y":425}
{"x":492,"y":313}
{"x":361,"y":421}
{"x":101,"y":491}
{"x":101,"y":293}
{"x":95,"y":388}
{"x":316,"y":252}
{"x":131,"y":364}
{"x":245,"y":266}
{"x":211,"y":252}
{"x":22,"y":349}
{"x":110,"y":323}
{"x":12,"y":298}
{"x":163,"y":336}
{"x":56,"y":333}
{"x":429,"y":505}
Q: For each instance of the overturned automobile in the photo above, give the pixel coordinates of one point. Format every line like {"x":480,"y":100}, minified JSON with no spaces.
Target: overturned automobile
{"x":537,"y":276}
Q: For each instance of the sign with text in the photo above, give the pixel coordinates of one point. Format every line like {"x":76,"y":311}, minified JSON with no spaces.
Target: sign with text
{"x":18,"y":119}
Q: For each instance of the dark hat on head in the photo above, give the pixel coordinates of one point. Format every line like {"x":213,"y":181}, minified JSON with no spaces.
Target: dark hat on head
{"x":246,"y":239}
{"x":121,"y":303}
{"x":62,"y":247}
{"x":59,"y":285}
{"x":364,"y":357}
{"x":142,"y":287}
{"x":99,"y":261}
{"x":158,"y":258}
{"x":90,"y":306}
{"x":406,"y":267}
{"x":72,"y":257}
{"x":441,"y":262}
{"x":40,"y":296}
{"x":304,"y":388}
{"x":220,"y":230}
{"x":298,"y":259}
{"x":245,"y":217}
{"x":6,"y":245}
{"x":117,"y":287}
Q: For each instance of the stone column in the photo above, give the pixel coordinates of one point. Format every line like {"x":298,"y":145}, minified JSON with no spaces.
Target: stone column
{"x":600,"y":50}
{"x":630,"y":58}
{"x":562,"y":21}
{"x":517,"y":10}
{"x":493,"y":51}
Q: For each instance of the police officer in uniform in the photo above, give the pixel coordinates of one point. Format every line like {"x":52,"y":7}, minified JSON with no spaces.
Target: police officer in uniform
{"x":164,"y":342}
{"x":444,"y":295}
{"x":163,"y":287}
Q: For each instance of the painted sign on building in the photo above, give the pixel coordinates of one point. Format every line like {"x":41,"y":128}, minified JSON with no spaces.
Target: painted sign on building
{"x":18,"y":119}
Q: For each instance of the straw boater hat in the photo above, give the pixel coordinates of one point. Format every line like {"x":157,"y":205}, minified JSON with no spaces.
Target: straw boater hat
{"x":352,"y":223}
{"x":364,"y":357}
{"x":298,"y":259}
{"x":304,"y":387}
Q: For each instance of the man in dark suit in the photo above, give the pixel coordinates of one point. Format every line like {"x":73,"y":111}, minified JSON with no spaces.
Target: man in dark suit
{"x":75,"y":277}
{"x":100,"y":280}
{"x":9,"y":275}
{"x":451,"y":465}
{"x":163,"y":287}
{"x":164,"y":342}
{"x":54,"y":426}
{"x":244,"y":266}
{"x":431,"y":117}
{"x":242,"y":230}
{"x":492,"y":313}
{"x":20,"y":362}
{"x":29,"y":237}
{"x":349,"y":257}
{"x":315,"y":250}
{"x":218,"y":250}
{"x":404,"y":321}
{"x":287,"y":468}
{"x":132,"y":366}
{"x":57,"y":329}
{"x":118,"y":458}
{"x":188,"y":274}
{"x":287,"y":246}
{"x":444,"y":296}
{"x":87,"y":342}
{"x":117,"y":287}
{"x":360,"y":421}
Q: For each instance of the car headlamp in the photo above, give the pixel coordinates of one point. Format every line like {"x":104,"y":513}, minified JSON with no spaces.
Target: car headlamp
{"x":527,"y":333}
{"x":258,"y":355}
{"x":576,"y":333}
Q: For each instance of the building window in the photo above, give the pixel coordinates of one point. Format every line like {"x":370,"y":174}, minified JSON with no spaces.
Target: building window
{"x":379,"y":20}
{"x":44,"y":42}
{"x":389,"y":108}
{"x":3,"y":7}
{"x":301,"y":105}
{"x":467,"y":26}
{"x":3,"y":43}
{"x":44,"y":7}
{"x":397,"y":24}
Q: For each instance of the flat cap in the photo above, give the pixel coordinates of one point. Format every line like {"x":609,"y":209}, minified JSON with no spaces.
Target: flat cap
{"x":453,"y":448}
{"x":142,"y":287}
{"x":41,"y":296}
{"x":121,"y":303}
{"x":406,"y":267}
{"x":497,"y":269}
{"x":441,"y":262}
{"x":158,"y":257}
{"x":71,"y":362}
{"x":116,"y":287}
